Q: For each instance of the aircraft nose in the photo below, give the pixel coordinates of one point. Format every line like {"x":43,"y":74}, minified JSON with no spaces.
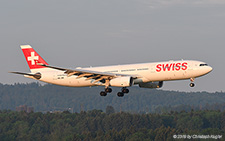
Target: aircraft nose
{"x":209,"y":69}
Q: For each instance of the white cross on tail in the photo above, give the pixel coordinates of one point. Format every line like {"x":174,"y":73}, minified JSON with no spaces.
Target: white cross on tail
{"x":32,"y":58}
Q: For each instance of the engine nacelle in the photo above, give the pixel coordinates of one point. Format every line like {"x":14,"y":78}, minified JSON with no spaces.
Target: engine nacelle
{"x":151,"y":84}
{"x":125,"y":81}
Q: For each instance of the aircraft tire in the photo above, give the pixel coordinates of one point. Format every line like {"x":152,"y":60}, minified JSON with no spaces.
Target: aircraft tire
{"x":108,"y":90}
{"x":125,"y":90}
{"x":120,"y":94}
{"x":102,"y":93}
{"x":192,"y":84}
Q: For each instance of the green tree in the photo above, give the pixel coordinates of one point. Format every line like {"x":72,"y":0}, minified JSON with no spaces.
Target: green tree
{"x":110,"y":110}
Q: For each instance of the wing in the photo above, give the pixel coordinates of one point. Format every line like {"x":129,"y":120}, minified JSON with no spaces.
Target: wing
{"x":97,"y":76}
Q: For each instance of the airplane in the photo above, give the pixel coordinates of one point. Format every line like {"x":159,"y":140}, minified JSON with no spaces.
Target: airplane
{"x":146,"y":75}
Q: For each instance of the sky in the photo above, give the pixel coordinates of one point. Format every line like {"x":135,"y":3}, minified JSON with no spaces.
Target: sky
{"x":83,"y":33}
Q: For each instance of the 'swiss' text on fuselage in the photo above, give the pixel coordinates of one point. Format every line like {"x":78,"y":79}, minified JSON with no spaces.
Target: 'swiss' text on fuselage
{"x":172,"y":67}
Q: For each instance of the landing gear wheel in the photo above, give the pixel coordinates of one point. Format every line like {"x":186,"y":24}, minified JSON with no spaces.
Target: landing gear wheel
{"x":192,"y":84}
{"x":120,"y":94}
{"x":125,"y":90}
{"x":108,"y":90}
{"x":102,"y":93}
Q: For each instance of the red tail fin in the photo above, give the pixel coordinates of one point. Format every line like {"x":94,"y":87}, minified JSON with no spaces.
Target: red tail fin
{"x":32,"y":57}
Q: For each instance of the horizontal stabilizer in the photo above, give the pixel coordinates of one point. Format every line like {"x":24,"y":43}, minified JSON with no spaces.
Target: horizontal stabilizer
{"x":36,"y":75}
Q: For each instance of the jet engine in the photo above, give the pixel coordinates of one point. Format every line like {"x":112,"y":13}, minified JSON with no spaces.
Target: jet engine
{"x":158,"y":84}
{"x":124,"y":81}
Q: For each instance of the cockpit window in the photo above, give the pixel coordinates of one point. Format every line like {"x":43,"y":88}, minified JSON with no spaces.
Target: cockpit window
{"x":203,"y":65}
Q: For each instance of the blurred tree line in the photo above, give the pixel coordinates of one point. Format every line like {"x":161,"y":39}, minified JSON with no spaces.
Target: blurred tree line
{"x":48,"y":97}
{"x":98,"y":125}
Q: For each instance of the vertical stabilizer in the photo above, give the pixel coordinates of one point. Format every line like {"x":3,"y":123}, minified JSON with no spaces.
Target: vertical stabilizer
{"x":32,"y":58}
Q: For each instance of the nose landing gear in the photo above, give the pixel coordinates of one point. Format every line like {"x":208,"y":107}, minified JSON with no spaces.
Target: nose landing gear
{"x":192,"y":80}
{"x":192,"y":84}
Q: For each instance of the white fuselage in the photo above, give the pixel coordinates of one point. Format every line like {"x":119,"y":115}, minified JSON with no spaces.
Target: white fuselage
{"x":145,"y":72}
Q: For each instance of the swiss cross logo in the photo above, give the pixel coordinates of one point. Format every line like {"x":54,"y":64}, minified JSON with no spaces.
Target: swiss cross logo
{"x":32,"y":58}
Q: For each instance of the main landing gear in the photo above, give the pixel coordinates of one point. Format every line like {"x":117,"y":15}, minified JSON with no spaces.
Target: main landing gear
{"x":192,"y":80}
{"x":107,"y":90}
{"x":124,"y":90}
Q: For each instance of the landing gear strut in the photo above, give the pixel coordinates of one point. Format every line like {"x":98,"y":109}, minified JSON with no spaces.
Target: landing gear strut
{"x":192,"y":84}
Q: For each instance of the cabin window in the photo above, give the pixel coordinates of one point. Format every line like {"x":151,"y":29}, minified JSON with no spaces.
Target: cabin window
{"x":128,"y":70}
{"x":113,"y":71}
{"x":142,"y":69}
